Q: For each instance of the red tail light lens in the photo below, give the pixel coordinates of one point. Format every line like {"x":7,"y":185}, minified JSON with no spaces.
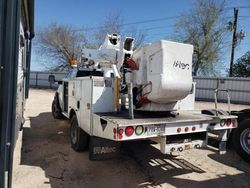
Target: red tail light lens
{"x":233,"y":123}
{"x":114,"y":130}
{"x":129,"y":131}
{"x":193,"y":128}
{"x":186,"y":129}
{"x":229,"y":122}
{"x":178,"y":130}
{"x":120,"y":131}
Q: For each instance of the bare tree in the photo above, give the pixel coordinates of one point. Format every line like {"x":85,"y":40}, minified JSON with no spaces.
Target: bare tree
{"x":137,"y":34}
{"x":204,"y":26}
{"x":113,"y":23}
{"x":59,"y":44}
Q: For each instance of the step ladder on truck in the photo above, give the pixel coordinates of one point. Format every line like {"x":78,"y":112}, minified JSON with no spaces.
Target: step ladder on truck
{"x":117,"y":94}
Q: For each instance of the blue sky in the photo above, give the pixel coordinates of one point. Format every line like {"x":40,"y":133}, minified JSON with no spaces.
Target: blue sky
{"x":80,"y":13}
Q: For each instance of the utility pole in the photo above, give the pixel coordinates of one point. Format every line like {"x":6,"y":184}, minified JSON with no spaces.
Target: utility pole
{"x":234,"y":41}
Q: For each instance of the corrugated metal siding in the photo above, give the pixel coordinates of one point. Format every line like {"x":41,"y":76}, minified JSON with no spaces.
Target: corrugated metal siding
{"x":41,"y":79}
{"x":239,"y":89}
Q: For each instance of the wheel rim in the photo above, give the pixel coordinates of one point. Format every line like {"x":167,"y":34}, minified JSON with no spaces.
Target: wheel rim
{"x":245,"y":140}
{"x":74,"y":133}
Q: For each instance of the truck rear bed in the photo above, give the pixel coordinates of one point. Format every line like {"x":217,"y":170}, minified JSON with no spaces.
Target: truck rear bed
{"x":149,"y":118}
{"x":115,"y":126}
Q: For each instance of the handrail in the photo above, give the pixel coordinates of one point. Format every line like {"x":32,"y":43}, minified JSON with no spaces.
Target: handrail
{"x":216,"y":99}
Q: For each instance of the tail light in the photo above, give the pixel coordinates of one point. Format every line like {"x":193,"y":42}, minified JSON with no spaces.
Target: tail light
{"x":120,"y":131}
{"x":114,"y":131}
{"x":233,"y":122}
{"x":129,"y":131}
{"x":229,"y":122}
{"x":193,"y":128}
{"x":223,"y":122}
{"x":186,"y":129}
{"x":179,"y":130}
{"x":139,"y":130}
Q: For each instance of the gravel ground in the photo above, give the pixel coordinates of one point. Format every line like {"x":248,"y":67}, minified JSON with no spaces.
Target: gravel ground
{"x":43,"y":158}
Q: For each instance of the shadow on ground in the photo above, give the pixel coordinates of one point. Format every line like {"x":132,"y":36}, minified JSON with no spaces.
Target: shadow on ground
{"x":46,"y":145}
{"x":165,"y":169}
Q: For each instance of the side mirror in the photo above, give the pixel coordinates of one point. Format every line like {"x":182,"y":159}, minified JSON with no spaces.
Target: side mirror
{"x":52,"y":79}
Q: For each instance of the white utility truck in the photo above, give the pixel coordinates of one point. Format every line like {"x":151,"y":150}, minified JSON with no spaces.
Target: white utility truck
{"x":119,"y":94}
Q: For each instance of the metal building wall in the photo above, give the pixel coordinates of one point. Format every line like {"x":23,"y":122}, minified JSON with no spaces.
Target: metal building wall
{"x":205,"y":86}
{"x":9,"y":43}
{"x":239,"y":89}
{"x":41,"y":79}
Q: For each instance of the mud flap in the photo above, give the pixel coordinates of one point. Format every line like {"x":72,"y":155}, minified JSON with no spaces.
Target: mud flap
{"x":101,"y":149}
{"x":223,"y":142}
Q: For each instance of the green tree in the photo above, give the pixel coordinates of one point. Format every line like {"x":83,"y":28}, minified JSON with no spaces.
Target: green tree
{"x":204,"y":26}
{"x":242,"y":66}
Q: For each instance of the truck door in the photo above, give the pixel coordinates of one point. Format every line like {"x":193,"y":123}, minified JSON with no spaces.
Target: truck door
{"x":65,"y":96}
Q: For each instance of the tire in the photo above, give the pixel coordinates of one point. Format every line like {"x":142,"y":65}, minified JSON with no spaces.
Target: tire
{"x":56,"y":110}
{"x":241,"y":140}
{"x":22,"y":123}
{"x":78,"y":138}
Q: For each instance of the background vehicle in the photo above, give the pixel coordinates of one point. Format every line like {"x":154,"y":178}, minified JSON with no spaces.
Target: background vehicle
{"x":123,"y":95}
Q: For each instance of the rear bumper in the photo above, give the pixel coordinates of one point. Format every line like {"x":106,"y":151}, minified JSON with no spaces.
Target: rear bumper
{"x":178,"y":147}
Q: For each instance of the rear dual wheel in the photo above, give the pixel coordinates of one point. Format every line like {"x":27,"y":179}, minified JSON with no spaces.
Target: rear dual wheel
{"x":241,"y":140}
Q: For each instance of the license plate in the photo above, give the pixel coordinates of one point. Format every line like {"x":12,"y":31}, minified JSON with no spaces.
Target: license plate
{"x":155,"y":129}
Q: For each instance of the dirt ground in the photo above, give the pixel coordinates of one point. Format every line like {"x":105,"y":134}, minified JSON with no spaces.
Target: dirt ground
{"x":43,"y":158}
